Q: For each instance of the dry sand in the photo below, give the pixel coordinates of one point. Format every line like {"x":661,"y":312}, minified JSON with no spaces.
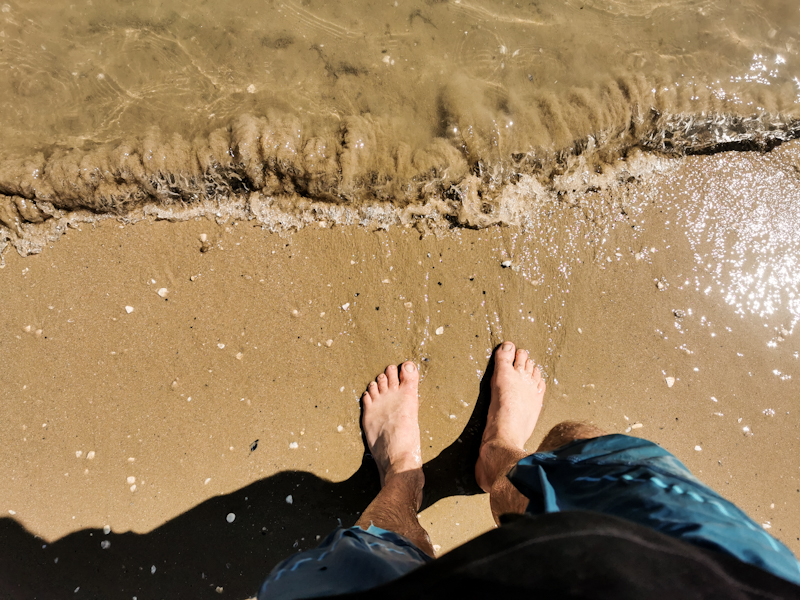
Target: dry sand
{"x":239,"y":387}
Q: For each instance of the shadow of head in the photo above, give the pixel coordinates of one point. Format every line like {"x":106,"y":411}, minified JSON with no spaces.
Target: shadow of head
{"x":205,"y":552}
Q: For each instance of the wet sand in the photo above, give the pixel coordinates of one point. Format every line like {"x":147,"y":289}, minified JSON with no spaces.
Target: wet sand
{"x":238,"y":386}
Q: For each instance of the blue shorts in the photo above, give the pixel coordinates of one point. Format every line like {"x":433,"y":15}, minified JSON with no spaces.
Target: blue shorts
{"x":618,"y":475}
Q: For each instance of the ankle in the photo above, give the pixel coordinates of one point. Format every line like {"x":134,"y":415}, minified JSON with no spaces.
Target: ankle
{"x":496,"y":459}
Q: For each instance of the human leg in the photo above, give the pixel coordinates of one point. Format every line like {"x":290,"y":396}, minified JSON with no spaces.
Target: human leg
{"x":517,"y":391}
{"x":391,"y":425}
{"x":388,"y":540}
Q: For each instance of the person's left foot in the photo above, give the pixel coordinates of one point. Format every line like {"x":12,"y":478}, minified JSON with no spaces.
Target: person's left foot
{"x":391,"y":421}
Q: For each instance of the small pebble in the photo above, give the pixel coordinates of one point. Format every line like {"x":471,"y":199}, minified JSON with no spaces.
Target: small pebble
{"x":407,"y":304}
{"x":295,"y":313}
{"x":698,"y":448}
{"x":638,"y":256}
{"x":219,"y":589}
{"x":79,"y":453}
{"x":129,"y":309}
{"x":221,"y":346}
{"x":329,"y":343}
{"x":27,"y":328}
{"x":452,"y":416}
{"x":105,"y":544}
{"x":106,"y":529}
{"x":90,"y":454}
{"x":340,"y":429}
{"x":436,"y":548}
{"x":637,"y":426}
{"x":131,"y":459}
{"x":505,"y":264}
{"x":206,"y":482}
{"x":153,"y":570}
{"x":385,"y":281}
{"x":133,"y":488}
{"x":289,"y":499}
{"x":345,"y":306}
{"x":239,"y":356}
{"x":12,"y":512}
{"x":230,"y":518}
{"x":293,"y":445}
{"x":203,"y":237}
{"x":767,"y":525}
{"x":670,"y":381}
{"x":439,"y":330}
{"x":162,"y":292}
{"x":131,"y":479}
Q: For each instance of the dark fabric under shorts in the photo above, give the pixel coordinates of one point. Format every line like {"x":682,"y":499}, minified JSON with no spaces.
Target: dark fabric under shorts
{"x":619,"y":476}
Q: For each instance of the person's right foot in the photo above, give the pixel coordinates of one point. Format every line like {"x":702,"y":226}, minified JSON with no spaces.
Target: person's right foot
{"x":517,"y":394}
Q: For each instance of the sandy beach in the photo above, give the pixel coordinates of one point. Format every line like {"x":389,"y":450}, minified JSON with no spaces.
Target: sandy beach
{"x":199,"y":399}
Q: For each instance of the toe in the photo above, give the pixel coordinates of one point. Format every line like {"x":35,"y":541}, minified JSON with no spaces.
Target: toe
{"x":391,"y":377}
{"x":505,"y":353}
{"x":373,"y":390}
{"x":366,"y":399}
{"x":520,"y":359}
{"x":530,"y":365}
{"x":408,"y":373}
{"x":383,"y":382}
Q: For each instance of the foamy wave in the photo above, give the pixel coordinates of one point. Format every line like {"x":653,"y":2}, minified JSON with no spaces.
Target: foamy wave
{"x":492,"y":160}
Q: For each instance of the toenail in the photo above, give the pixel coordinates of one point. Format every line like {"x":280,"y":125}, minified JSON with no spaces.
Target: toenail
{"x":409,"y":366}
{"x":508,"y":346}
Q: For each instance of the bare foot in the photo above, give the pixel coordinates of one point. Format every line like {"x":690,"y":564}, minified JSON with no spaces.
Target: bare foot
{"x":391,"y":422}
{"x":517,"y":394}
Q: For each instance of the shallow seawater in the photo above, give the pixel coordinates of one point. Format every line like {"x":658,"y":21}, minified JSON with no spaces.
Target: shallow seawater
{"x":432,"y":114}
{"x":378,"y":112}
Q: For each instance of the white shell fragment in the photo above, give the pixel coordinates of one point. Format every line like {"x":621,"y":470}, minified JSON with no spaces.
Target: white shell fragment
{"x":329,"y":343}
{"x":670,"y":381}
{"x":106,"y":529}
{"x":637,"y":426}
{"x":230,"y":518}
{"x":698,"y":448}
{"x":340,"y":429}
{"x":162,"y":292}
{"x":345,"y":306}
{"x":289,"y":499}
{"x":79,"y":453}
{"x":153,"y":570}
{"x":131,"y":479}
{"x":407,"y":304}
{"x":505,"y":264}
{"x":439,"y":330}
{"x":90,"y":454}
{"x":129,"y":309}
{"x":293,"y":445}
{"x":105,"y":544}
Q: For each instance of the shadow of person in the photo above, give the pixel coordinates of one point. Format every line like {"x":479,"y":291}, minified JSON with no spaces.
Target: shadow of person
{"x":199,"y":554}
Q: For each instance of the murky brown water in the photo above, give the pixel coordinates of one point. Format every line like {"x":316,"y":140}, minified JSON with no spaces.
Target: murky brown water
{"x":110,"y":105}
{"x":425,"y":113}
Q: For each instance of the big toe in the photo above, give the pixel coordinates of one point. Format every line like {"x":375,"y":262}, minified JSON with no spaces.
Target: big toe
{"x":409,"y":375}
{"x":505,"y":354}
